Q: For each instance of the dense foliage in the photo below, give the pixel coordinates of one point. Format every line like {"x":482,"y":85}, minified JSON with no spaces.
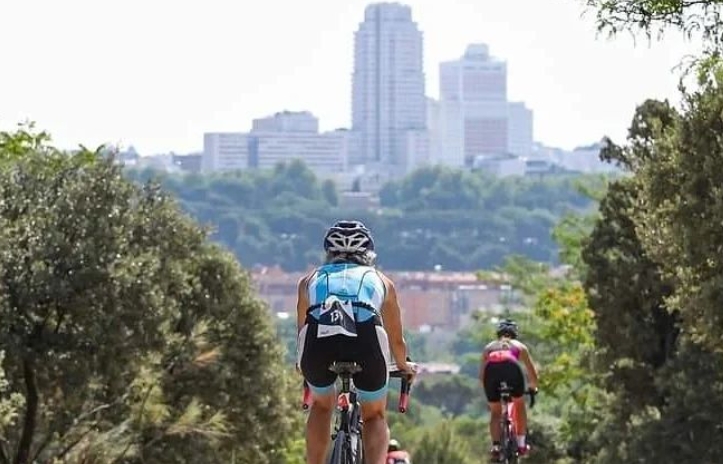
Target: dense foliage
{"x":697,"y":20}
{"x":127,"y":335}
{"x":436,"y":216}
{"x":629,"y":340}
{"x":656,"y":283}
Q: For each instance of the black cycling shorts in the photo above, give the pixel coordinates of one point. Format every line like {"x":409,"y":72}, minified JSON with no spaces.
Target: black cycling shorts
{"x":504,"y":371}
{"x":369,"y":349}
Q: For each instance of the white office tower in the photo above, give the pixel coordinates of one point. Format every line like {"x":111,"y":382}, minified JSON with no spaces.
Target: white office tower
{"x":433,"y":127}
{"x":279,"y":138}
{"x":287,"y":121}
{"x":475,"y":117}
{"x":520,"y":129}
{"x":388,"y":98}
{"x":225,"y":151}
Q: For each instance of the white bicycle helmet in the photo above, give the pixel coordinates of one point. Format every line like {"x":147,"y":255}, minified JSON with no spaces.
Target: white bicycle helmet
{"x":350,"y":237}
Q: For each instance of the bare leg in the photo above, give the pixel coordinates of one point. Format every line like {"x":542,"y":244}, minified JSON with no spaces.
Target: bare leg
{"x":520,"y":416}
{"x":495,"y":418}
{"x":376,"y":431}
{"x":318,"y":428}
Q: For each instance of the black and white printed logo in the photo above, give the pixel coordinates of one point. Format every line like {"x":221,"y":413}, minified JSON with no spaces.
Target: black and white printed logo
{"x":336,"y":318}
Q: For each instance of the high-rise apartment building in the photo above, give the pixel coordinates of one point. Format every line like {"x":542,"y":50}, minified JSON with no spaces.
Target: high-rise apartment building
{"x":476,"y":77}
{"x":388,"y":95}
{"x":476,"y":118}
{"x":519,"y":125}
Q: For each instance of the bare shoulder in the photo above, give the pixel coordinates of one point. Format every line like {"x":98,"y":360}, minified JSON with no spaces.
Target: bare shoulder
{"x":304,"y":280}
{"x":520,"y":345}
{"x":388,"y":282}
{"x":490,"y":345}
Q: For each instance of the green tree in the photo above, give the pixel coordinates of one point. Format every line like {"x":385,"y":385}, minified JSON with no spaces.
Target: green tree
{"x":442,"y":445}
{"x":451,"y":394}
{"x":128,"y":336}
{"x":356,"y":185}
{"x":656,"y":16}
{"x":653,"y":283}
{"x":680,"y":207}
{"x":328,"y":188}
{"x":460,"y":220}
{"x":699,"y":20}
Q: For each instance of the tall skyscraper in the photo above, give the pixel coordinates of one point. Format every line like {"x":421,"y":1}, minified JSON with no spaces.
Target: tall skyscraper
{"x":388,"y":98}
{"x":475,"y":116}
{"x":520,"y":129}
{"x":476,"y":77}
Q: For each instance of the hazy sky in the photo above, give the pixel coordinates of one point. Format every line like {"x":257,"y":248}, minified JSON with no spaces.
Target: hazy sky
{"x":159,"y":73}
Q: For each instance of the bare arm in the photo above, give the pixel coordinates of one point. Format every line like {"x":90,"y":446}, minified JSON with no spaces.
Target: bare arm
{"x":392,"y":321}
{"x":529,"y":365}
{"x":302,"y":303}
{"x":483,"y":358}
{"x":483,"y":361}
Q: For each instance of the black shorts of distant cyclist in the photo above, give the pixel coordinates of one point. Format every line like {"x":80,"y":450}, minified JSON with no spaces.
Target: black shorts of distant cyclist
{"x":507,"y":371}
{"x":369,"y":349}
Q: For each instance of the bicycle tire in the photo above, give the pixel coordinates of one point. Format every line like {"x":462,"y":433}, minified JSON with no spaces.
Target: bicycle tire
{"x":360,"y":448}
{"x":337,"y":451}
{"x":352,"y":456}
{"x":508,"y":443}
{"x":343,"y":452}
{"x":511,"y":446}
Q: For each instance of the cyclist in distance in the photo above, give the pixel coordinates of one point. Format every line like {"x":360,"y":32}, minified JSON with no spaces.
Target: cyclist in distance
{"x":396,"y":455}
{"x":348,"y":311}
{"x":501,"y":360}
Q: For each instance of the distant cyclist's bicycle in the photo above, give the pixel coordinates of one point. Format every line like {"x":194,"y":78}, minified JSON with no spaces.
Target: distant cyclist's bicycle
{"x":508,"y":438}
{"x":347,"y":436}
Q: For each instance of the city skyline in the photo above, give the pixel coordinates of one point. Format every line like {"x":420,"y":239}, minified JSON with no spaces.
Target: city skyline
{"x":476,"y":117}
{"x":389,"y":104}
{"x":396,"y":128}
{"x":167,"y":80}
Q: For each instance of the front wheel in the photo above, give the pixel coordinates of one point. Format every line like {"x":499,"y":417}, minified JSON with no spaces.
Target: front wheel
{"x":355,"y":449}
{"x":511,"y":450}
{"x":337,"y":452}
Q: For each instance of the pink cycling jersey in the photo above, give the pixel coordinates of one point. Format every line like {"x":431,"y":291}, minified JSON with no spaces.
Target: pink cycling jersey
{"x":504,"y":354}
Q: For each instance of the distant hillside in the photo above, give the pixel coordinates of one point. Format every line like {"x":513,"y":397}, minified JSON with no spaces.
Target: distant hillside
{"x":457,"y":219}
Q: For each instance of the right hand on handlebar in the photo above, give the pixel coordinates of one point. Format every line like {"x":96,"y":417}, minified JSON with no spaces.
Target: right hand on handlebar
{"x":532,"y":391}
{"x":407,"y":367}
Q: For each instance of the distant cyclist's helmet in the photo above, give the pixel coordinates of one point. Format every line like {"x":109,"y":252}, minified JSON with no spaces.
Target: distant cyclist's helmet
{"x":507,"y":328}
{"x":394,"y":445}
{"x":350,"y":237}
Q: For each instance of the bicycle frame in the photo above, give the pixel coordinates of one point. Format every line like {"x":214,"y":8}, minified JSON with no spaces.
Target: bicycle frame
{"x":347,"y":435}
{"x":508,"y":436}
{"x":508,"y":441}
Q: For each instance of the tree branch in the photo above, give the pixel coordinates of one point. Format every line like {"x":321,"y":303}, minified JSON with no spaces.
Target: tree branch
{"x":31,"y":411}
{"x":77,"y":422}
{"x":44,"y":444}
{"x":3,"y":453}
{"x":140,"y":422}
{"x":72,"y":444}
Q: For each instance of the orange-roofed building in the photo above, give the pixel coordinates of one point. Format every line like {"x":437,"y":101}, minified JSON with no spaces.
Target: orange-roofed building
{"x":436,"y":299}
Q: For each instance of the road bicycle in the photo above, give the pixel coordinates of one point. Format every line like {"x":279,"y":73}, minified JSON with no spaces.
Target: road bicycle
{"x":347,"y":436}
{"x":508,"y":439}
